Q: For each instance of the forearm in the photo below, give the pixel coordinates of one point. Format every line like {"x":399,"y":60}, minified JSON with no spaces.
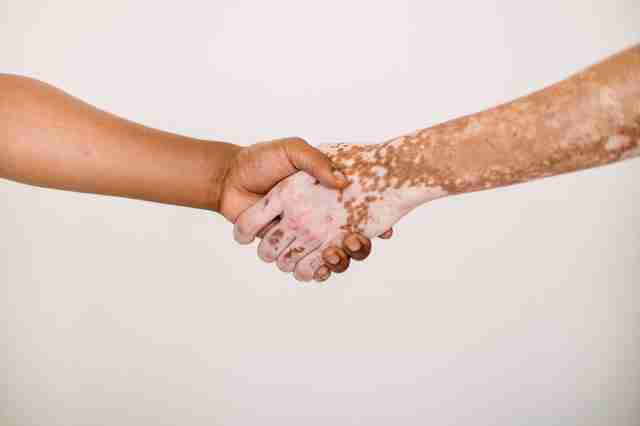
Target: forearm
{"x":50,"y":139}
{"x":590,"y":119}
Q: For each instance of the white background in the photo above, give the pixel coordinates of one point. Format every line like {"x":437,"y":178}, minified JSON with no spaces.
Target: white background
{"x":518,"y":306}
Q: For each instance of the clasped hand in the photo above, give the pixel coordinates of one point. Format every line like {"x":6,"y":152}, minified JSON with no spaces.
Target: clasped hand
{"x":311,"y":222}
{"x":292,"y":197}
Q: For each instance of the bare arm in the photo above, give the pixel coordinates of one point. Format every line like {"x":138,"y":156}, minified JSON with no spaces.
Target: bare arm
{"x":51,"y":139}
{"x":590,"y":119}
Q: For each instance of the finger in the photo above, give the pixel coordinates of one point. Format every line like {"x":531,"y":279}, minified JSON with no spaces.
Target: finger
{"x":305,"y":269}
{"x":357,"y":246}
{"x":336,"y":259}
{"x":297,"y":250}
{"x":268,"y":228}
{"x":256,"y":217}
{"x":387,"y":234}
{"x":322,"y":274}
{"x":274,"y":243}
{"x":305,"y":157}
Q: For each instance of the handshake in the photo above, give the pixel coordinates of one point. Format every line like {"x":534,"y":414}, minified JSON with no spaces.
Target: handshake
{"x":313,"y":221}
{"x":315,"y":209}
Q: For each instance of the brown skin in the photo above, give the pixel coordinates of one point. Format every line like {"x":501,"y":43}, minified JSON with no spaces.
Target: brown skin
{"x":51,"y":139}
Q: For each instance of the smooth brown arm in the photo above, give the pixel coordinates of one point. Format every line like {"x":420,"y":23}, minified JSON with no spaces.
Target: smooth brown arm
{"x":51,"y":139}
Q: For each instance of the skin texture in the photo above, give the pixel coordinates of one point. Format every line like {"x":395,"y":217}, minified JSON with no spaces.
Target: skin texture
{"x":588,"y":120}
{"x":51,"y":139}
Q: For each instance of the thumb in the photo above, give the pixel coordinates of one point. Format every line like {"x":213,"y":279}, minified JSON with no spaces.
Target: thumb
{"x":311,"y":160}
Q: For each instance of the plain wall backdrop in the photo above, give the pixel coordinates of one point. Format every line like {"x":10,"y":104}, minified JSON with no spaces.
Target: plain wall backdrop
{"x":518,"y":306}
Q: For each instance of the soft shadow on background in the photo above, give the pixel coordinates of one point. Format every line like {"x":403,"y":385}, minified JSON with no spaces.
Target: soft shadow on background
{"x":518,"y":306}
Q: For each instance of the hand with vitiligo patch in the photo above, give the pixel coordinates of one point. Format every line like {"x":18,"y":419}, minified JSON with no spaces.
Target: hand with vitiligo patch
{"x":309,"y":222}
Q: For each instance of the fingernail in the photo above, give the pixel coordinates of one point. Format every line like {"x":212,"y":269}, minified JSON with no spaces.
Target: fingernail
{"x":322,"y":273}
{"x":353,"y":245}
{"x":333,"y":259}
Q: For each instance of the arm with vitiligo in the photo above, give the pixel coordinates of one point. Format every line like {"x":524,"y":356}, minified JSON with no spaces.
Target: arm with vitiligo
{"x":589,"y":119}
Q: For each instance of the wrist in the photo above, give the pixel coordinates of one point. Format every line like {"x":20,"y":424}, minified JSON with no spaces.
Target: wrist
{"x":220,"y":158}
{"x":390,"y":169}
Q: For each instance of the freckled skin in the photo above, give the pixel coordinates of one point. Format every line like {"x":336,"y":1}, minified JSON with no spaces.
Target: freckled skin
{"x":588,"y":120}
